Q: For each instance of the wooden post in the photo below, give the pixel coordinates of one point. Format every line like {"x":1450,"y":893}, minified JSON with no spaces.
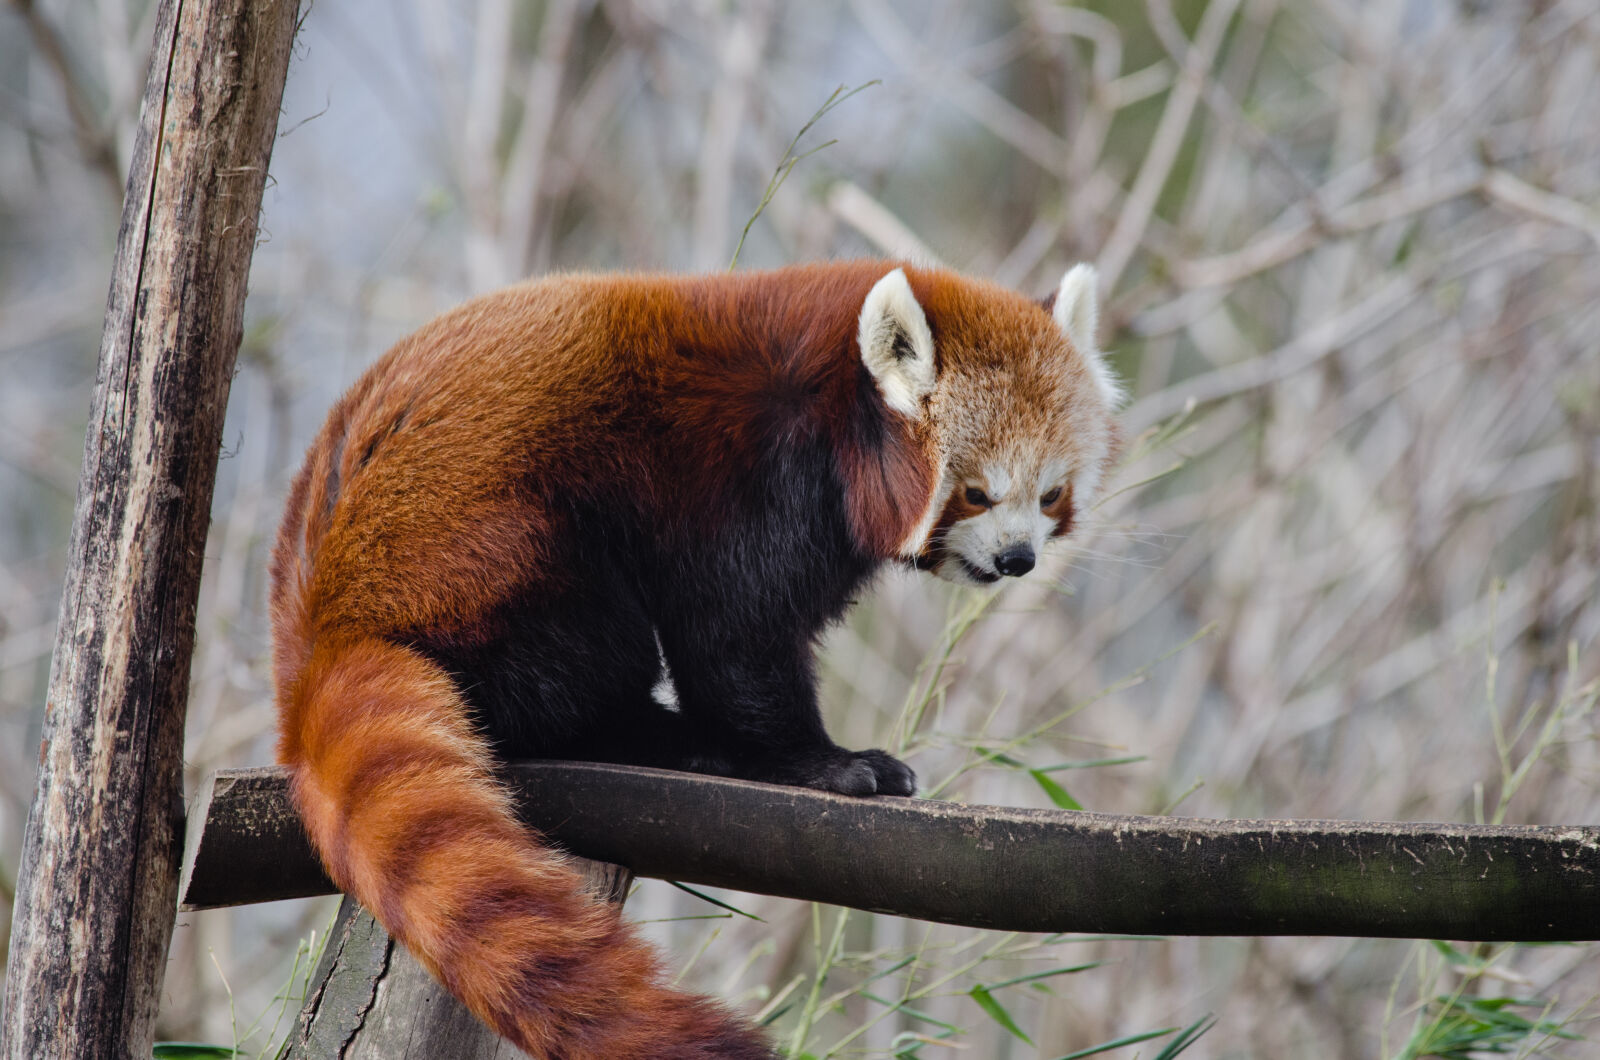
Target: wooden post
{"x":371,"y":1000}
{"x":98,"y":877}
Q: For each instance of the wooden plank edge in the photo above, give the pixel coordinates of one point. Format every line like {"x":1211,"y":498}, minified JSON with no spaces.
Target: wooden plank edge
{"x":986,"y":866}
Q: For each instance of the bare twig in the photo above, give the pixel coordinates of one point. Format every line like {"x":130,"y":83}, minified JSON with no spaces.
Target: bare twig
{"x":91,"y":132}
{"x":873,"y":220}
{"x":1168,"y":138}
{"x":1506,"y":189}
{"x":789,"y":160}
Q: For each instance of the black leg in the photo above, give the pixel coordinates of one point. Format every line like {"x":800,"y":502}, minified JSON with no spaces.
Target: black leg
{"x":649,"y":734}
{"x":757,"y":694}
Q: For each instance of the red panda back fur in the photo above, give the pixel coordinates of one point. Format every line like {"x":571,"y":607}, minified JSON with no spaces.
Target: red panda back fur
{"x":443,"y":506}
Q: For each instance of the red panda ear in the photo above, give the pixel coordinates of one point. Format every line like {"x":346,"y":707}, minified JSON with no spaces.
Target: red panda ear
{"x":896,"y":344}
{"x":1076,"y":310}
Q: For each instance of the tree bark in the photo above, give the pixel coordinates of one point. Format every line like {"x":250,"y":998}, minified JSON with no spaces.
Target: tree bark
{"x":98,"y":874}
{"x":984,"y":866}
{"x":371,"y":1000}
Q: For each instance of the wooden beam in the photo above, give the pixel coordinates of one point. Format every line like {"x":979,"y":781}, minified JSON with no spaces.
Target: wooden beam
{"x":99,"y":868}
{"x":985,"y":866}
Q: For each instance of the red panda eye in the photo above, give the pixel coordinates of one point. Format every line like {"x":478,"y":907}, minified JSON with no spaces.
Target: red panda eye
{"x":978,"y":498}
{"x":1050,"y":498}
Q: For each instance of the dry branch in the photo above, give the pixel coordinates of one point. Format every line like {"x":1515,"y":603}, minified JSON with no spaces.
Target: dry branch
{"x":984,"y":866}
{"x":100,"y":855}
{"x":96,"y":143}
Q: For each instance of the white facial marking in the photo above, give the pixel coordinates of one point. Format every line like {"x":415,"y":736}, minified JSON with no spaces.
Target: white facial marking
{"x":918,"y":537}
{"x":1056,"y":475}
{"x":999,"y":482}
{"x":971,"y":546}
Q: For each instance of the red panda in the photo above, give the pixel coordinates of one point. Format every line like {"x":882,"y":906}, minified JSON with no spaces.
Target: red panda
{"x":547,"y":502}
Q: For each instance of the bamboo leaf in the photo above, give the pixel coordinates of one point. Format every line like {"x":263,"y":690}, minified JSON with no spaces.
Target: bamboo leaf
{"x":1188,"y":1037}
{"x":1036,"y":976}
{"x":1093,"y":763}
{"x":1117,"y":1043}
{"x":714,"y":901}
{"x":916,"y":1014}
{"x":1055,"y":791}
{"x":996,"y":1011}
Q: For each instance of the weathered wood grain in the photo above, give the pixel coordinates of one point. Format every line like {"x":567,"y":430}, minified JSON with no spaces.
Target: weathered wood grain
{"x":985,"y":866}
{"x":99,"y":866}
{"x":370,"y":1000}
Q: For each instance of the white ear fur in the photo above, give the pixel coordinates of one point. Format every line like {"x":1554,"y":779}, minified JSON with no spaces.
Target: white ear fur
{"x":896,"y":345}
{"x":1077,"y":311}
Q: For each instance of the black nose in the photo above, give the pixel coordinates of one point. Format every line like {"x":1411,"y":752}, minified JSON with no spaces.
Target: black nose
{"x":1015,"y":561}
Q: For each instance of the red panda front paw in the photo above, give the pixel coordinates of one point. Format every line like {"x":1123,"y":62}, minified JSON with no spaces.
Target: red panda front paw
{"x":860,"y":773}
{"x":894,"y":777}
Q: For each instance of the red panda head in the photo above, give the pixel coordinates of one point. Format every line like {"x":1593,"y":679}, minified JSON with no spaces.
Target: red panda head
{"x":1019,"y":401}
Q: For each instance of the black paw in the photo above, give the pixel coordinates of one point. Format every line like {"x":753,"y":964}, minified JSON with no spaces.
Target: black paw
{"x":893,"y":776}
{"x":859,"y":773}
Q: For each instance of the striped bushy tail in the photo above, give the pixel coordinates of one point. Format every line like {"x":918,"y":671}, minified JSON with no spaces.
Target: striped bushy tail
{"x":397,"y":793}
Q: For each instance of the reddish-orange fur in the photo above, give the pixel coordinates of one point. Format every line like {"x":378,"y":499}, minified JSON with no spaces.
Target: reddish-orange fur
{"x":423,"y":509}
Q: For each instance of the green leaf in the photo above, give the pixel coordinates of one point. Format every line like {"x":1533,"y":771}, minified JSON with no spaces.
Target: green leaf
{"x":910,"y":1043}
{"x":1117,"y":1043}
{"x":719,"y":903}
{"x":1093,"y":763}
{"x":907,"y":1045}
{"x":1036,"y":976}
{"x":772,"y":1017}
{"x":1000,"y":757}
{"x":194,"y":1051}
{"x":895,"y":967}
{"x":1461,"y":1028}
{"x":996,"y":1011}
{"x":1057,"y":793}
{"x":918,"y":1014}
{"x":1188,"y":1037}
